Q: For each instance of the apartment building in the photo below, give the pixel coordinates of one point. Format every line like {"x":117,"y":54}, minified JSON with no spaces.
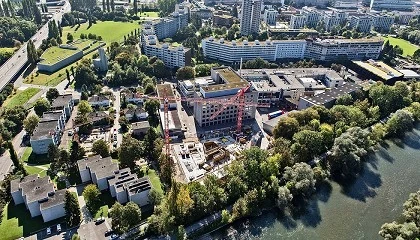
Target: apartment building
{"x":233,"y":51}
{"x":168,"y":26}
{"x":99,"y":101}
{"x":313,"y":16}
{"x":270,"y":16}
{"x":173,"y":57}
{"x":342,"y":49}
{"x":361,"y":23}
{"x":222,"y":18}
{"x":315,"y":3}
{"x":39,"y":196}
{"x":250,"y":18}
{"x":63,"y":103}
{"x":227,"y":83}
{"x":382,"y":22}
{"x":122,"y":184}
{"x":399,"y":5}
{"x":334,"y":18}
{"x":297,"y":21}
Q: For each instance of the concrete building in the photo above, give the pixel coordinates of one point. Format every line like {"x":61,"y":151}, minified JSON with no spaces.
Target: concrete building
{"x":99,"y":101}
{"x":334,"y":18}
{"x":343,"y":49}
{"x":51,"y":126}
{"x":405,"y":17}
{"x":227,"y":83}
{"x":297,"y":21}
{"x":362,"y":23}
{"x":250,"y":17}
{"x":273,"y":85}
{"x":39,"y":196}
{"x":167,"y":27}
{"x":313,"y":16}
{"x":173,"y":57}
{"x":233,"y":51}
{"x":382,"y":22}
{"x":315,"y":3}
{"x":400,"y":5}
{"x":122,"y":184}
{"x":328,"y":97}
{"x":377,"y":70}
{"x":222,"y":18}
{"x":101,"y":63}
{"x":346,"y":4}
{"x":175,"y":127}
{"x":270,"y":16}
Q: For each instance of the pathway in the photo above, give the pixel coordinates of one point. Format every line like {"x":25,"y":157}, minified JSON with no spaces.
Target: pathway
{"x":86,"y":216}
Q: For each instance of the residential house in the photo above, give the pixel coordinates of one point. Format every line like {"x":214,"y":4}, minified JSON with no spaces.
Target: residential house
{"x":63,"y":103}
{"x":140,"y":128}
{"x":134,"y":98}
{"x":136,"y":114}
{"x":46,"y":132}
{"x":98,"y":170}
{"x":99,"y":118}
{"x":99,"y":101}
{"x":39,"y":196}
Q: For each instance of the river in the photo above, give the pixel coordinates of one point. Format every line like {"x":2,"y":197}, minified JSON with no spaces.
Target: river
{"x":355,"y":211}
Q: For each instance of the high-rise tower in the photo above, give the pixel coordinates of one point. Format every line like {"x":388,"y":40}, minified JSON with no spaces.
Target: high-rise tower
{"x":251,"y":15}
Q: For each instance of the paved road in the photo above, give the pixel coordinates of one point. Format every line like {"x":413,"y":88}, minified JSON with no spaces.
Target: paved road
{"x":9,"y":69}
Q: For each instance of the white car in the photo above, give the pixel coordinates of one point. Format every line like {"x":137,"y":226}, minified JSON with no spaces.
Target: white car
{"x":48,"y":231}
{"x":58,"y":228}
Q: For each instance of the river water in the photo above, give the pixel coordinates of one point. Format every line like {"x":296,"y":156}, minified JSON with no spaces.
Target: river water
{"x":355,"y":211}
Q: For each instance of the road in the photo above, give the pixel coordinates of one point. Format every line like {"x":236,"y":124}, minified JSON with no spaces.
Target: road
{"x":10,"y":68}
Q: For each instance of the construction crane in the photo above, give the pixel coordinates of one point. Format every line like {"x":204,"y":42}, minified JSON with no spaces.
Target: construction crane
{"x":237,"y":100}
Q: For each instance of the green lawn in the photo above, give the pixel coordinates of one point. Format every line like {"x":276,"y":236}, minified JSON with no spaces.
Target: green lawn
{"x":56,"y":54}
{"x":21,"y":97}
{"x":36,"y":170}
{"x":149,"y":14}
{"x":17,"y":222}
{"x":154,"y":179}
{"x":105,"y":203}
{"x":110,"y":31}
{"x":407,"y":47}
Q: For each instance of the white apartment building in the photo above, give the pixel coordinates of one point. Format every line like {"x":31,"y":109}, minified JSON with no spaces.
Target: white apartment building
{"x":297,"y":21}
{"x":313,"y":16}
{"x":270,"y":16}
{"x":400,"y":5}
{"x":99,"y":101}
{"x":250,"y":17}
{"x":173,"y":57}
{"x":334,"y":18}
{"x":382,"y":22}
{"x":233,"y":51}
{"x":361,"y":23}
{"x":227,"y":84}
{"x":167,"y":27}
{"x":336,"y":49}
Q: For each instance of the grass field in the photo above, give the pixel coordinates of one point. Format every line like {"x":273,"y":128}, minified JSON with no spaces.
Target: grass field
{"x":55,"y":54}
{"x":36,"y":170}
{"x":21,"y":97}
{"x":407,"y":47}
{"x":17,"y":222}
{"x":109,"y":31}
{"x":148,"y":14}
{"x":105,"y":203}
{"x":154,"y":179}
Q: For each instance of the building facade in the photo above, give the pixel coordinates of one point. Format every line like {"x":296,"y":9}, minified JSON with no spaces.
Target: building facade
{"x":233,"y":51}
{"x":173,"y":57}
{"x":270,"y":16}
{"x":361,"y":23}
{"x":382,"y":22}
{"x":313,"y":16}
{"x":251,"y":15}
{"x":399,"y":5}
{"x":167,"y":27}
{"x":222,"y":18}
{"x":297,"y":21}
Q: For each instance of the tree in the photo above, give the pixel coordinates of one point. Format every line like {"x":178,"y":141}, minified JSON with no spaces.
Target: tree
{"x":151,"y":107}
{"x":394,"y":230}
{"x":131,"y":215}
{"x":18,"y":164}
{"x":130,"y":152}
{"x":91,"y":195}
{"x":345,"y":99}
{"x":284,"y":198}
{"x":286,"y":128}
{"x":70,"y":37}
{"x":135,"y":7}
{"x":84,"y":108}
{"x":412,"y":208}
{"x":52,"y":94}
{"x":31,"y":52}
{"x":75,"y":237}
{"x":180,"y":233}
{"x":112,"y":5}
{"x":299,"y":179}
{"x":307,"y":144}
{"x":400,"y":122}
{"x":116,"y":214}
{"x":100,"y":147}
{"x":76,"y":152}
{"x":37,"y":14}
{"x":186,"y":72}
{"x":155,"y":197}
{"x":346,"y":153}
{"x":41,"y":105}
{"x":72,"y":209}
{"x":84,"y":74}
{"x":30,"y":123}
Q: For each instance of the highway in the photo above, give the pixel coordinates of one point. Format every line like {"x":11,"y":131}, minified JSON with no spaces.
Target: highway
{"x":10,"y":68}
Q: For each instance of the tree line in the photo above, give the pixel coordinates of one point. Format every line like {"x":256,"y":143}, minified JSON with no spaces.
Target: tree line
{"x":15,"y":31}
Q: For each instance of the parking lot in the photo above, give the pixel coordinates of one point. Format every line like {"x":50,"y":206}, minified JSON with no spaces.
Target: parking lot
{"x":53,"y":233}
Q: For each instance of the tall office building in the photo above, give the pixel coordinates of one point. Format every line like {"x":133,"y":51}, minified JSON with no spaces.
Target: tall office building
{"x":251,"y":14}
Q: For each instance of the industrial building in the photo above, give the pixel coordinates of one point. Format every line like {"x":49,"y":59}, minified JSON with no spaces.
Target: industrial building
{"x":377,"y":70}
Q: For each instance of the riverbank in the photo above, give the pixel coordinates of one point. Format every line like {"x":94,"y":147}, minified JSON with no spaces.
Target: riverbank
{"x":354,"y":211}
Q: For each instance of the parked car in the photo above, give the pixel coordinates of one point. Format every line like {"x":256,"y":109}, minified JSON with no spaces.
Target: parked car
{"x":109,"y":232}
{"x":114,"y":237}
{"x":70,"y":133}
{"x":115,"y":143}
{"x":100,"y":220}
{"x":48,"y":231}
{"x":58,"y":228}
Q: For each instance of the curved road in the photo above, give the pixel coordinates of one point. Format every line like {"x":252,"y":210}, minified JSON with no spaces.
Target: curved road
{"x":10,"y":68}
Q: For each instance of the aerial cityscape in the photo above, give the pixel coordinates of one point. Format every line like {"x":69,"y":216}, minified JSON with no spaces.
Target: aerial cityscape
{"x":209,"y":119}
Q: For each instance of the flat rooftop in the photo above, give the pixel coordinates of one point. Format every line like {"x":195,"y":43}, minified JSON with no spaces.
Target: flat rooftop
{"x":379,"y":69}
{"x":47,"y":116}
{"x":252,"y":43}
{"x":332,"y":94}
{"x":327,"y":42}
{"x":37,"y":189}
{"x":165,"y":90}
{"x":61,"y":101}
{"x":44,"y":129}
{"x":138,"y":185}
{"x":55,"y":54}
{"x":230,"y":80}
